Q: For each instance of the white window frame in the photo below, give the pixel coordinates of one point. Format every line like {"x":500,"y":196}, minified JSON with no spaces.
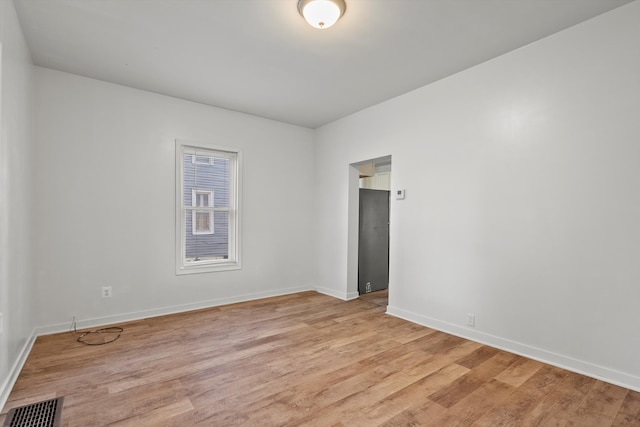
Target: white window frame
{"x":194,"y":213}
{"x":235,"y":162}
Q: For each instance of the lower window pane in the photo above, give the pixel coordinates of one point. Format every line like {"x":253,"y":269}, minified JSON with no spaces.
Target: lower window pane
{"x":207,"y":247}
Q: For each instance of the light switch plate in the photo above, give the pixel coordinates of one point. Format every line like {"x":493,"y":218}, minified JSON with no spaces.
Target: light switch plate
{"x":400,"y":194}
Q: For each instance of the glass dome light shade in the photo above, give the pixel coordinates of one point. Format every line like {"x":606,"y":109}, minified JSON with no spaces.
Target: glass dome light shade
{"x":321,"y":13}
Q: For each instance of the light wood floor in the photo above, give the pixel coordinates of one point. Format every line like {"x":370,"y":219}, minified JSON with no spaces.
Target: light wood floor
{"x":306,"y":359}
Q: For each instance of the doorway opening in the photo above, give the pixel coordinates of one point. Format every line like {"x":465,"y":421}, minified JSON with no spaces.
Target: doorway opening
{"x":372,"y":202}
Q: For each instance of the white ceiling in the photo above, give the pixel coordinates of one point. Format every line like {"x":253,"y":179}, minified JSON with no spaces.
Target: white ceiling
{"x":260,"y":57}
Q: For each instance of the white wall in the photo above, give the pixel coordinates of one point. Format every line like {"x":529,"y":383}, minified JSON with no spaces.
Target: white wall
{"x":17,"y":262}
{"x":522,"y":200}
{"x":105,"y":180}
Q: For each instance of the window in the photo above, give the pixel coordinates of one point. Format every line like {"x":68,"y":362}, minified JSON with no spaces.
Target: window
{"x":207,"y":199}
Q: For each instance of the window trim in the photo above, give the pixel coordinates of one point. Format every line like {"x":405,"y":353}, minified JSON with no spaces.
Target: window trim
{"x":183,"y":147}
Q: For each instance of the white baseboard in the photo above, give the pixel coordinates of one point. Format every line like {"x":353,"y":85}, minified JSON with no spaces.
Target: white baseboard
{"x":144,"y":314}
{"x":565,"y":362}
{"x":7,"y":384}
{"x":345,"y":296}
{"x":352,"y":295}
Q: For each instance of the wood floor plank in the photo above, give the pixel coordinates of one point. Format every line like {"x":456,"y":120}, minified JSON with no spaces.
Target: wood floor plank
{"x":600,"y":407}
{"x":568,"y":394}
{"x":524,"y":398}
{"x":368,"y":408}
{"x":407,"y":371}
{"x":519,"y":372}
{"x":479,"y":356}
{"x":157,"y":416}
{"x":475,"y":405}
{"x":474,"y":379}
{"x":421,"y":411}
{"x":306,"y":359}
{"x":629,"y":414}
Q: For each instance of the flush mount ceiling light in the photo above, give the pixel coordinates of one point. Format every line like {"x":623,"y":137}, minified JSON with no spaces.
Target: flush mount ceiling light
{"x":321,"y":13}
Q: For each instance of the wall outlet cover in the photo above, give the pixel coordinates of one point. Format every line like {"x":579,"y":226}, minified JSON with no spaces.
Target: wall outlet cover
{"x":471,"y":319}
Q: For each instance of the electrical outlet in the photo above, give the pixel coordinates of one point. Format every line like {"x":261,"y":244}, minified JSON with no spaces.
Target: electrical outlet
{"x":471,"y":320}
{"x":106,"y":292}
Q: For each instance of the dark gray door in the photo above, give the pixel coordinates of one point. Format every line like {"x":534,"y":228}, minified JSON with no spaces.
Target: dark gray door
{"x":373,"y":241}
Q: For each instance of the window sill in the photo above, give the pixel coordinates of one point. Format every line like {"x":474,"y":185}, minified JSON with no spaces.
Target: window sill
{"x":207,"y":268}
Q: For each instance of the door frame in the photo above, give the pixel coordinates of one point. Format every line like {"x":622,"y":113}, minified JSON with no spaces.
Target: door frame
{"x":353,"y":223}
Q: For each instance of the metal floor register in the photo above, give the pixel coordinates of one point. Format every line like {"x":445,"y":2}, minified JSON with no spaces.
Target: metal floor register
{"x":41,"y":414}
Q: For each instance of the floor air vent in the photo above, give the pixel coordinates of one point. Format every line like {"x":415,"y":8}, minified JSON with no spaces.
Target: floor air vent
{"x":41,"y":414}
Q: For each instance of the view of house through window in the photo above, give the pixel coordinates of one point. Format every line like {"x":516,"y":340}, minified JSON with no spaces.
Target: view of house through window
{"x":208,"y":217}
{"x":202,"y":220}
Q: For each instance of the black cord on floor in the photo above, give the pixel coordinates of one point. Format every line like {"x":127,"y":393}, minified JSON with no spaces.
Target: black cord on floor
{"x":109,"y":330}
